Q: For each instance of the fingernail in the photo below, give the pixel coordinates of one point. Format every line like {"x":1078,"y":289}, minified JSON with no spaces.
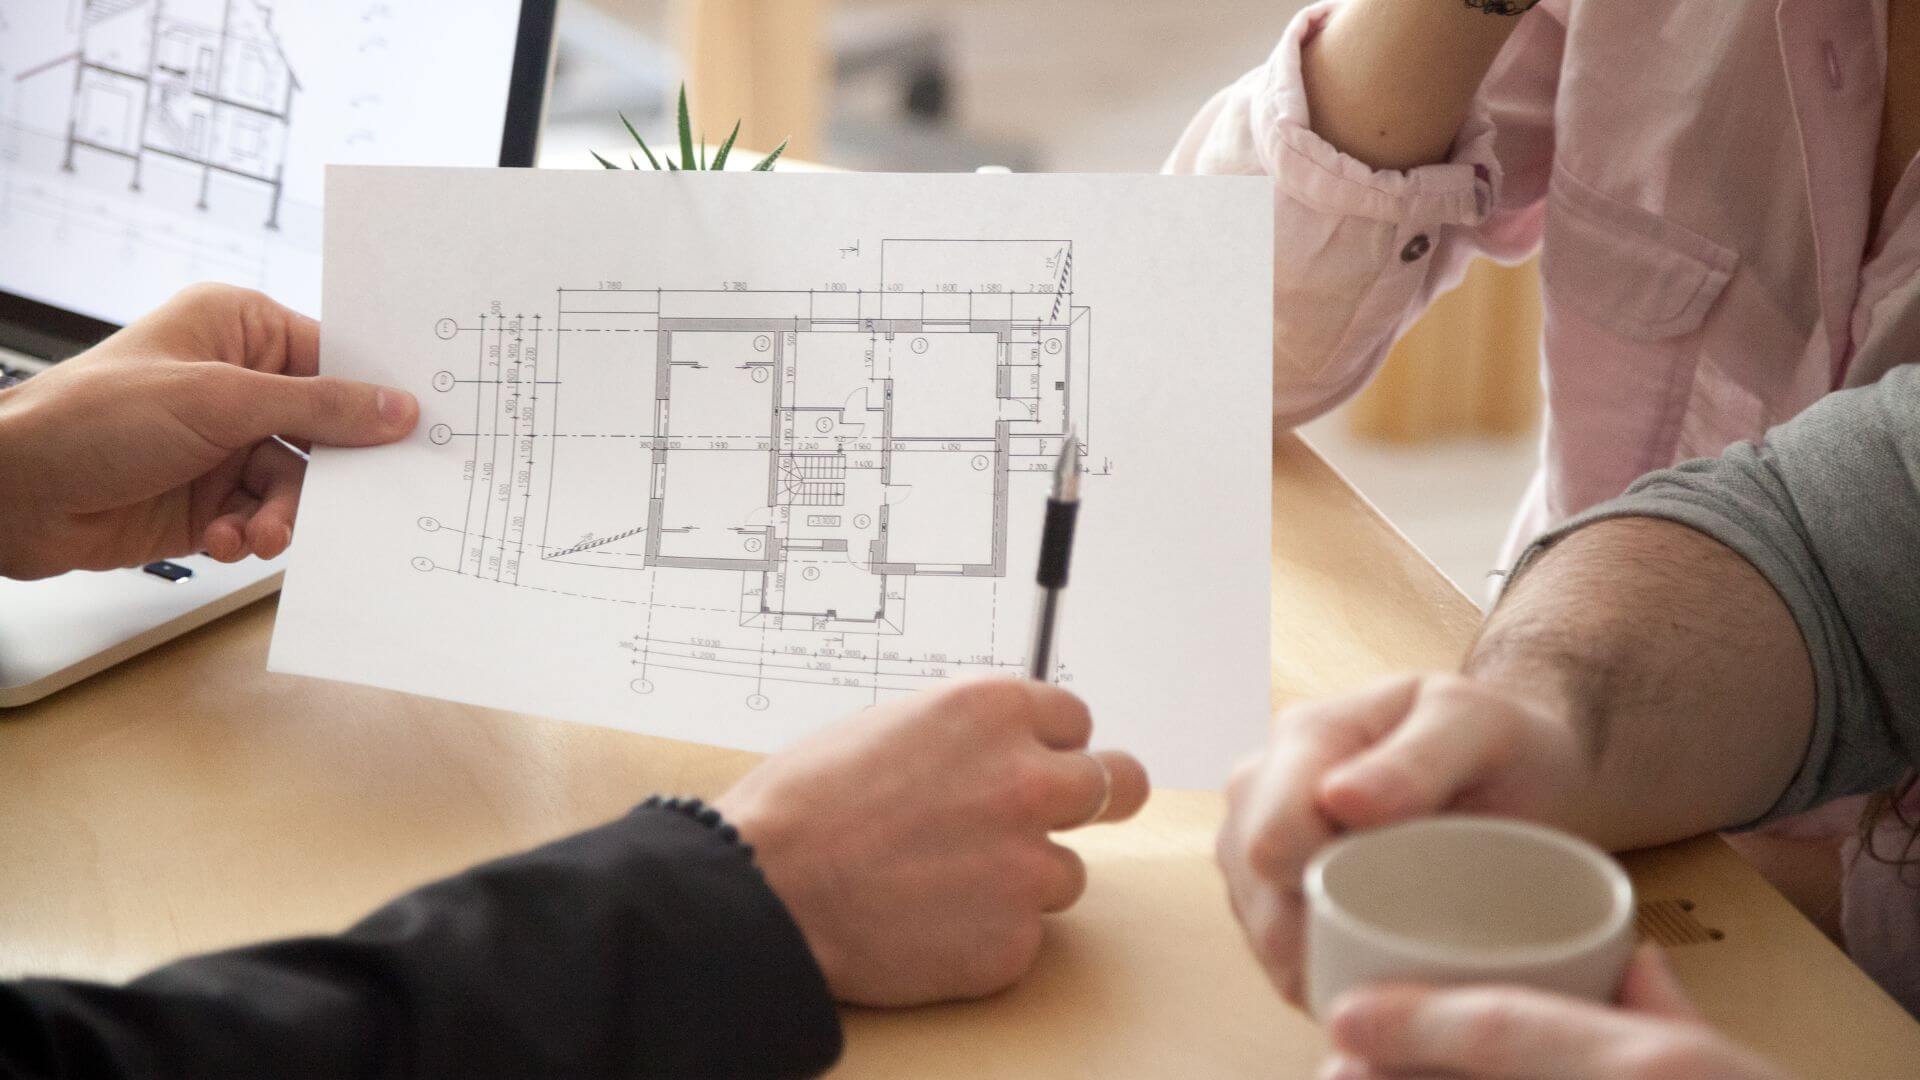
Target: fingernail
{"x":394,"y":406}
{"x":221,"y":543}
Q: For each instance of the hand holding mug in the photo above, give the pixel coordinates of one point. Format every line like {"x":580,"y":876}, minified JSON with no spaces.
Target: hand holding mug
{"x":1408,"y":748}
{"x":1514,"y":1033}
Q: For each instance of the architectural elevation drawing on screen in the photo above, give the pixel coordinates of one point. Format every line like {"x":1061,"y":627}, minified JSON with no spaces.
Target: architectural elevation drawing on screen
{"x":201,"y":85}
{"x":779,"y":480}
{"x":155,"y":143}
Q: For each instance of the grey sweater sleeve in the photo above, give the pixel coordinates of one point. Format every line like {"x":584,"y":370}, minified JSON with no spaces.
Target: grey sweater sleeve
{"x":1827,"y":508}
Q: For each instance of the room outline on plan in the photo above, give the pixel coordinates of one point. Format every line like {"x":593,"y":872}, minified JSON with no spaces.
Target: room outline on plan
{"x":803,"y":491}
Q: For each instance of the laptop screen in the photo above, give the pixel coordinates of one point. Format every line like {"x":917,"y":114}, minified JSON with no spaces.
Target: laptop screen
{"x":149,"y":144}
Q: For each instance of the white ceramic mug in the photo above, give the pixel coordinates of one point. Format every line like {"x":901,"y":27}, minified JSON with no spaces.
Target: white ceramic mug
{"x":1462,"y":899}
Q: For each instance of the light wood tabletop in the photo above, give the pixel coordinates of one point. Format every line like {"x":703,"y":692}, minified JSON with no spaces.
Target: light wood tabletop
{"x":189,"y":800}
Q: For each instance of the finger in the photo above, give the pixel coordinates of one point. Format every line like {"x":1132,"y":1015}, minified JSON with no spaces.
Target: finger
{"x":218,"y":510}
{"x":1083,"y":788}
{"x":1271,"y":828}
{"x":240,"y":408}
{"x":302,"y":355}
{"x":273,"y":475}
{"x":1272,"y":920}
{"x":1491,"y":1032}
{"x":1274,"y":824}
{"x":1651,"y":987}
{"x":249,"y":329}
{"x":210,"y":495}
{"x":1074,"y":788}
{"x":1419,"y":766}
{"x":269,"y":533}
{"x":1060,"y":719}
{"x":1128,"y":788}
{"x":1065,"y":879}
{"x":1278,"y":823}
{"x":225,"y":537}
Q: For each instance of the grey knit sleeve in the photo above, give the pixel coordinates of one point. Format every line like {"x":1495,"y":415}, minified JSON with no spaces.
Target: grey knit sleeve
{"x":1827,"y":508}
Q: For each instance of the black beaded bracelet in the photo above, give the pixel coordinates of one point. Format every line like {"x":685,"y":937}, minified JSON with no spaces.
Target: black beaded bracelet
{"x":699,"y":811}
{"x":1503,"y":7}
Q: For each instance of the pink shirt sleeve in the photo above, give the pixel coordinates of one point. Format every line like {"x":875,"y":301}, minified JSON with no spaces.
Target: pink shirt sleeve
{"x":1359,"y":253}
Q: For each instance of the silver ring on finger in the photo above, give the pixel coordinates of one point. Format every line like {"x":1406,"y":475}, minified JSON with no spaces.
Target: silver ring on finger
{"x":1106,"y":790}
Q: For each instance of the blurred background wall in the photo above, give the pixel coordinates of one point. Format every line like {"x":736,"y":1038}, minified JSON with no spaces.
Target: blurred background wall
{"x":1443,"y":441}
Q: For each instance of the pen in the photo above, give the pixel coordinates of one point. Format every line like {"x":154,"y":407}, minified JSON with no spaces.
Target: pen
{"x":1056,"y":550}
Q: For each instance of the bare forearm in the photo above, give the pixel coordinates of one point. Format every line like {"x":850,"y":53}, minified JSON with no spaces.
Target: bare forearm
{"x":1678,"y":666}
{"x":1390,"y":81}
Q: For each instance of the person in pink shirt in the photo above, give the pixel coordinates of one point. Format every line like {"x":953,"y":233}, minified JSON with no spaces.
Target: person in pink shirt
{"x":1721,"y":196}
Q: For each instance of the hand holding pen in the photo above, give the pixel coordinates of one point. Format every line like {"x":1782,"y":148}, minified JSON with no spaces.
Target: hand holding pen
{"x":1056,"y":551}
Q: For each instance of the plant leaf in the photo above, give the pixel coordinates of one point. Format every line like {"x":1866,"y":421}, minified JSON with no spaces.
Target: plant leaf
{"x":604,"y":163}
{"x":766,"y":163}
{"x":641,"y":141}
{"x":686,"y":131}
{"x":703,"y":150}
{"x":671,"y":167}
{"x":635,"y":160}
{"x":720,"y":156}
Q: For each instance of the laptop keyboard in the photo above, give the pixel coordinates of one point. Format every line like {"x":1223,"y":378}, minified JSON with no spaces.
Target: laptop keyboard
{"x":10,"y":375}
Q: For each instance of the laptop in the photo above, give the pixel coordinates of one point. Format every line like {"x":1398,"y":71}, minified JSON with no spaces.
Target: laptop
{"x":149,"y":144}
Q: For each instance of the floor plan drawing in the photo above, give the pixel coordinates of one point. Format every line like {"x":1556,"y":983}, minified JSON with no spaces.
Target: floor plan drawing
{"x":801,"y":469}
{"x":731,"y":457}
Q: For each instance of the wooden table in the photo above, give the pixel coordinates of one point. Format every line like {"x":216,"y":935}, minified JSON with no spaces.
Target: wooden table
{"x":189,"y":800}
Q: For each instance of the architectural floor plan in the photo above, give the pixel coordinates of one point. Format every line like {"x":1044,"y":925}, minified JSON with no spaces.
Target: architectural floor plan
{"x":802,"y":470}
{"x":727,"y":457}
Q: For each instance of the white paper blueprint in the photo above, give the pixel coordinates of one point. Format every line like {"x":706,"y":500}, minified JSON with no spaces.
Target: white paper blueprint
{"x":727,"y":457}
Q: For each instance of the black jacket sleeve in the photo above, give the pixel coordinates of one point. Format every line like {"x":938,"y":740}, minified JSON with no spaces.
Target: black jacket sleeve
{"x":650,"y":946}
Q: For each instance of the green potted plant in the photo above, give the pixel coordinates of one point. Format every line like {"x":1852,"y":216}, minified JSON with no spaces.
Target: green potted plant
{"x":688,"y":162}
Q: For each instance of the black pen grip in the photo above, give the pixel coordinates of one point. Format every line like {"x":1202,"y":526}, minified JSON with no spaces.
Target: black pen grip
{"x":1056,"y":543}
